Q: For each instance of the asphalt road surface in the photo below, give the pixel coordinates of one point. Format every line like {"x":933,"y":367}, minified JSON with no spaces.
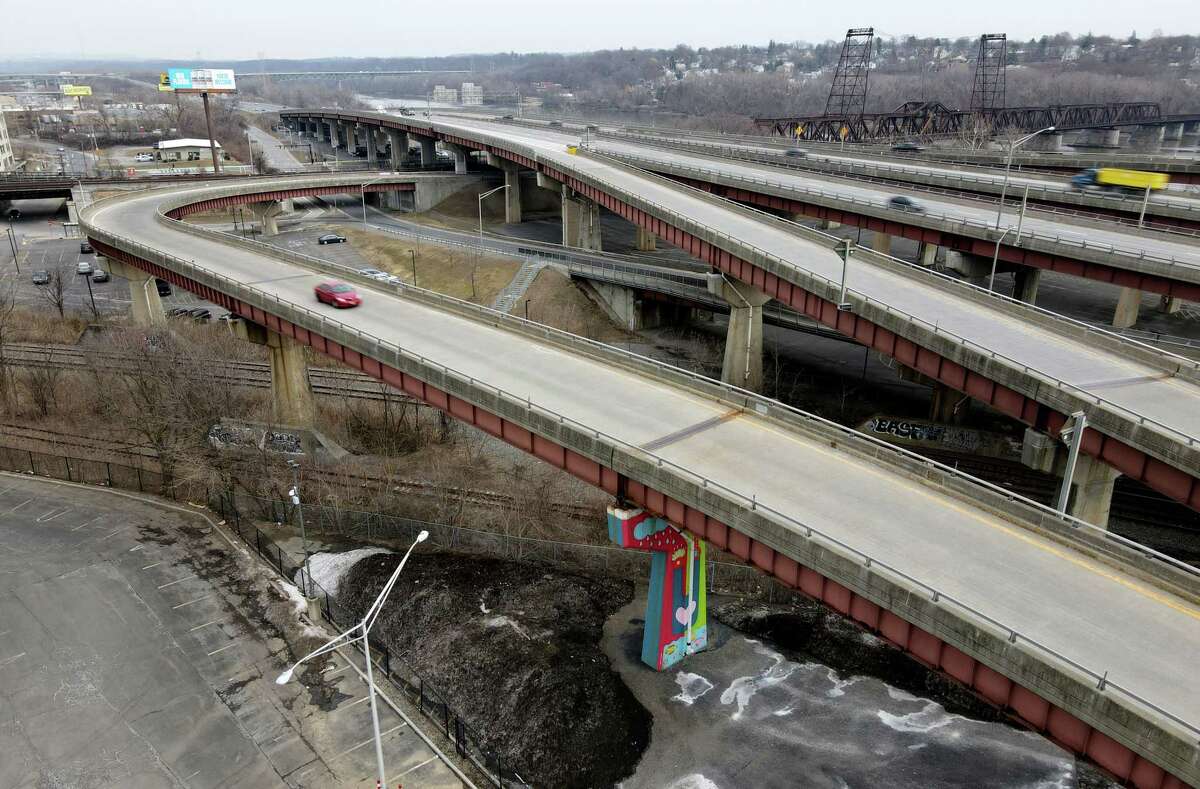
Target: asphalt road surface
{"x":134,"y":655}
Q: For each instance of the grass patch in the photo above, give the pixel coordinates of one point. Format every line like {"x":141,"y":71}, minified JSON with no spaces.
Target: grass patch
{"x":444,"y":269}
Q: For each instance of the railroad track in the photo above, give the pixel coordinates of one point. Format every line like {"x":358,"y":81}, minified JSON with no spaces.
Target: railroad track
{"x":79,"y":445}
{"x":326,"y":381}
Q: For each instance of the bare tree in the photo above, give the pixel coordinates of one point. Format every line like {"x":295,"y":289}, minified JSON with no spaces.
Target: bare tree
{"x":55,"y":291}
{"x":43,"y":386}
{"x":8,"y":304}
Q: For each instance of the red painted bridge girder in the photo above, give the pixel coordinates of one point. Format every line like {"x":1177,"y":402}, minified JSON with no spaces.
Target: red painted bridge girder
{"x":1019,"y":702}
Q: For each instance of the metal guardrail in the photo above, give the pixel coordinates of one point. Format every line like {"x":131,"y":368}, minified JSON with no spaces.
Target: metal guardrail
{"x":392,"y":353}
{"x":876,"y":172}
{"x":879,"y":208}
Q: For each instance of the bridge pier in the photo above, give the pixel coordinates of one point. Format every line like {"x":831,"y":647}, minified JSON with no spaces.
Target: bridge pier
{"x":292,"y":400}
{"x":881,"y":242}
{"x":1148,"y":137}
{"x":1128,"y":305}
{"x":372,"y":151}
{"x":646,"y":241}
{"x":1173,"y":131}
{"x":266,"y":214}
{"x":824,"y":224}
{"x":462,"y":156}
{"x":1025,"y":285}
{"x":677,"y":603}
{"x":742,"y":364}
{"x":1170,"y":304}
{"x":626,"y":307}
{"x":1091,"y":485}
{"x":927,"y":254}
{"x":428,"y":149}
{"x":398,"y":141}
{"x":1047,"y":142}
{"x":147,"y":306}
{"x":1111,"y":138}
{"x":580,"y":221}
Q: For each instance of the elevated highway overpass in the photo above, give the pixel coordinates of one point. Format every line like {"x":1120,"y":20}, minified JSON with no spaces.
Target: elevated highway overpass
{"x":1026,"y":363}
{"x":1078,"y":633}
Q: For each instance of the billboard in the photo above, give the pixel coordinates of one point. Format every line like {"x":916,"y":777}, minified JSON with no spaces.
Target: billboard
{"x":76,"y":90}
{"x":201,"y":80}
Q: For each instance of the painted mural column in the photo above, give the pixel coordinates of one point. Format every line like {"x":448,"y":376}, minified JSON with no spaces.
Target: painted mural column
{"x":677,"y":604}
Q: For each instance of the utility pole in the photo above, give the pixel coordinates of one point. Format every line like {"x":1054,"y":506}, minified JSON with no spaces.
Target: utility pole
{"x":295,"y":496}
{"x":212,"y":144}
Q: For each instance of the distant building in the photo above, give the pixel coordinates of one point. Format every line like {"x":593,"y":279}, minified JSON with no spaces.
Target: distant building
{"x":7,"y":162}
{"x":185,"y":150}
{"x":472,"y":94}
{"x":445,"y":95}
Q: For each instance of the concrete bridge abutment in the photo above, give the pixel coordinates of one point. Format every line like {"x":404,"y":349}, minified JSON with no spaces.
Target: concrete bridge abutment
{"x":147,"y":307}
{"x":645,"y":240}
{"x":1129,"y":303}
{"x":742,"y":364}
{"x":398,"y":142}
{"x":580,"y":221}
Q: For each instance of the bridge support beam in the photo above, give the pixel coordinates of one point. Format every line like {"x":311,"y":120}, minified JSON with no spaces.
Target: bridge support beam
{"x":1047,"y":142}
{"x":1148,"y":137}
{"x":428,"y":150}
{"x":399,"y":143}
{"x":646,"y":241}
{"x":742,"y":364}
{"x":461,"y":157}
{"x":147,"y":306}
{"x":580,"y":221}
{"x":824,"y":224}
{"x":626,"y":307}
{"x":292,"y":400}
{"x":1170,"y":304}
{"x":1173,"y":131}
{"x":927,"y":254}
{"x":677,"y":603}
{"x":1128,"y":304}
{"x":1111,"y":138}
{"x":267,"y":214}
{"x":512,"y":195}
{"x":1025,"y":284}
{"x":1091,"y":484}
{"x":372,"y":151}
{"x":881,"y":243}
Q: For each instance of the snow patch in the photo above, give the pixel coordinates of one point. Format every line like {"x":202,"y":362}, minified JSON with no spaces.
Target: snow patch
{"x":504,"y":621}
{"x":900,"y":695}
{"x":839,"y":685}
{"x":293,"y":593}
{"x":691,"y":687}
{"x":328,"y":569}
{"x":742,"y":689}
{"x":931,"y":717}
{"x":692,"y":781}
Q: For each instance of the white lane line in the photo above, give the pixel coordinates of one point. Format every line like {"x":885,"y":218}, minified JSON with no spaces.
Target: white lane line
{"x":6,"y":661}
{"x":136,"y":548}
{"x":46,"y":517}
{"x":177,"y":581}
{"x":111,"y":534}
{"x":19,"y":506}
{"x":189,"y":602}
{"x":206,"y":624}
{"x":367,"y":742}
{"x":418,"y":767}
{"x":87,"y":523}
{"x":193,"y":775}
{"x":351,"y":704}
{"x":230,"y":646}
{"x":147,"y":567}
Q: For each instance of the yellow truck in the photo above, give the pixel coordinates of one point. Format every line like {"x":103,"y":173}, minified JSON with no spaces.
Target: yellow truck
{"x":1116,"y":179}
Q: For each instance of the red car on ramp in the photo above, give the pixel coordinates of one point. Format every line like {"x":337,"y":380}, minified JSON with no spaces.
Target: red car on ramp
{"x":339,"y":294}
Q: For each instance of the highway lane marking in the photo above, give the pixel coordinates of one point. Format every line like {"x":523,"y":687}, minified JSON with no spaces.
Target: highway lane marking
{"x":178,"y":581}
{"x":230,"y":645}
{"x":382,"y":734}
{"x":113,"y":533}
{"x":19,"y":506}
{"x":351,"y":704}
{"x":87,"y":523}
{"x":147,"y":567}
{"x":945,"y":500}
{"x":6,"y":661}
{"x":699,"y":427}
{"x":136,"y":548}
{"x":206,"y":624}
{"x":46,"y":517}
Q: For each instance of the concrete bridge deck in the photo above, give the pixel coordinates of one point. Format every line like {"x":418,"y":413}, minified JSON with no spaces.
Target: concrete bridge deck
{"x":968,"y":567}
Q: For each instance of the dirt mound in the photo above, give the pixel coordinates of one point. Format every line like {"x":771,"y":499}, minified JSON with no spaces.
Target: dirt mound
{"x":515,"y":650}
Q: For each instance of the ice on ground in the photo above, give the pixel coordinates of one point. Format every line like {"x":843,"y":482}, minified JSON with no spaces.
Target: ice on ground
{"x":293,"y":593}
{"x":692,"y":781}
{"x":328,"y":569}
{"x":691,"y":687}
{"x":839,"y":685}
{"x":743,"y":689}
{"x":931,"y":717}
{"x":504,"y":621}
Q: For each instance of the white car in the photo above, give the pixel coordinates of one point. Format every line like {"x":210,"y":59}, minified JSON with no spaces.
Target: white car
{"x":373,"y":273}
{"x":144,"y":157}
{"x":83,"y":267}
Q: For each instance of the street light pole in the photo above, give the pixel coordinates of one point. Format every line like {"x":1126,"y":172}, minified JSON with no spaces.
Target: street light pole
{"x":1073,"y":434}
{"x":481,"y":198}
{"x":1021,"y":217}
{"x":995,"y":257}
{"x":413,"y":253}
{"x":95,"y":312}
{"x":1008,"y":166}
{"x":294,"y":494}
{"x":364,"y":630}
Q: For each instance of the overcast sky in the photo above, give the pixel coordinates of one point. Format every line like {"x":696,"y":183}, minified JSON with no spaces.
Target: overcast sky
{"x":216,"y":29}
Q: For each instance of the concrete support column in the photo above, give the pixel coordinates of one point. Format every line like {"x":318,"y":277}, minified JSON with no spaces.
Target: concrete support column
{"x":825,"y":224}
{"x":947,"y":405}
{"x":1170,"y":304}
{"x":267,"y":213}
{"x":646,"y":241}
{"x":1173,"y":131}
{"x":512,"y":195}
{"x":292,"y":400}
{"x":461,"y":157}
{"x":372,"y":153}
{"x":1128,"y":304}
{"x":580,"y":221}
{"x":1148,"y":137}
{"x":1047,"y":142}
{"x":428,"y":151}
{"x":881,"y":242}
{"x":743,"y":362}
{"x":1091,"y":490}
{"x":927,"y":254}
{"x":399,"y":143}
{"x":1025,"y":284}
{"x":147,"y":306}
{"x":1111,"y":138}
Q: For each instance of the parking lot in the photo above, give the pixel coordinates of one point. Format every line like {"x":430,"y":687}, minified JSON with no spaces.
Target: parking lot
{"x":135,"y":652}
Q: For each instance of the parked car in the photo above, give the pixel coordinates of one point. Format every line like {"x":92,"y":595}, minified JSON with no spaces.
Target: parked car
{"x":907,"y":147}
{"x":144,"y":157}
{"x":796,"y":153}
{"x":85,"y":248}
{"x":41,"y":277}
{"x":14,"y":213}
{"x":177,"y":312}
{"x":162,"y":286}
{"x":338,"y":294}
{"x":907,"y":204}
{"x":100,"y":275}
{"x":200,"y":314}
{"x":373,"y":273}
{"x":331,"y":238}
{"x":555,"y":124}
{"x":83,"y":267}
{"x":507,"y":118}
{"x":229,"y":318}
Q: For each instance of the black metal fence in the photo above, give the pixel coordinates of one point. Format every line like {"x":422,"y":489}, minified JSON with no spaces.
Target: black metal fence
{"x":468,"y":742}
